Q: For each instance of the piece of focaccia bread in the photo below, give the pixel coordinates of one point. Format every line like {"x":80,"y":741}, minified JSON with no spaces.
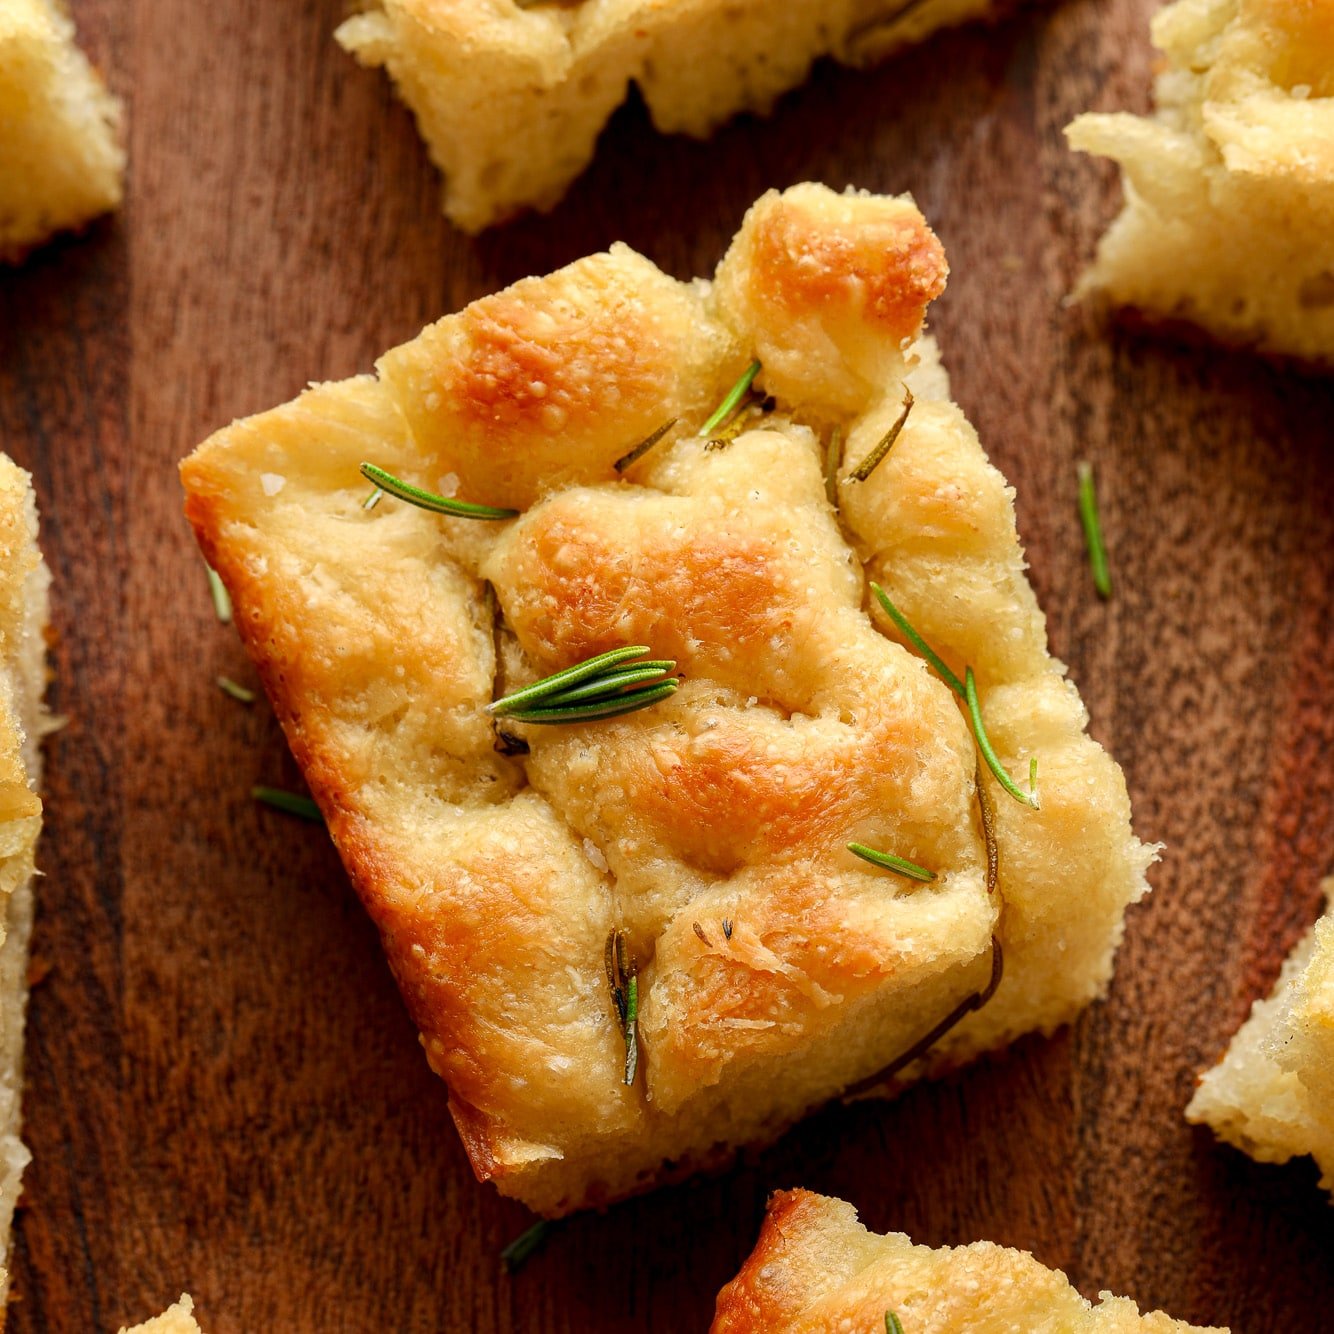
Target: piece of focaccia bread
{"x":1229,"y":214}
{"x":511,"y":97}
{"x":776,"y":969}
{"x":1272,"y":1094}
{"x":61,"y":161}
{"x":176,"y":1319}
{"x":24,"y":581}
{"x":817,"y":1270}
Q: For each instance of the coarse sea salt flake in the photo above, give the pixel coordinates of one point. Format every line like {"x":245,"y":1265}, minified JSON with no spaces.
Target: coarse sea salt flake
{"x":272,"y":482}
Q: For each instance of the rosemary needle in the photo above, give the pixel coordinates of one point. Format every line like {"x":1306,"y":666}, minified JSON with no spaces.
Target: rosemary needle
{"x":428,"y":500}
{"x":734,"y":396}
{"x":967,"y":691}
{"x":1088,"y":516}
{"x":373,"y":499}
{"x":623,"y":982}
{"x":1029,"y":798}
{"x":917,"y":641}
{"x":222,"y":599}
{"x":893,"y":1325}
{"x":889,"y":862}
{"x":526,"y":1244}
{"x":236,"y":691}
{"x":873,"y":460}
{"x":292,"y":803}
{"x":833,"y":456}
{"x":643,"y":446}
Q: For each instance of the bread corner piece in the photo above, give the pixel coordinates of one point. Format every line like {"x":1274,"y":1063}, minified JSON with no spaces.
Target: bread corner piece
{"x":24,"y":584}
{"x":511,"y":97}
{"x":176,"y":1319}
{"x":1272,"y":1094}
{"x":1228,"y":221}
{"x":776,"y":970}
{"x":61,"y":161}
{"x":816,"y":1268}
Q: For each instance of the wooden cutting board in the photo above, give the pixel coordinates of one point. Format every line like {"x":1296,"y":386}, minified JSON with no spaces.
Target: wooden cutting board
{"x":224,"y":1093}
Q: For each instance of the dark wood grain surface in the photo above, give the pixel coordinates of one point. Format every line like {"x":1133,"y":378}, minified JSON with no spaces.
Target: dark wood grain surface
{"x":223,"y":1091}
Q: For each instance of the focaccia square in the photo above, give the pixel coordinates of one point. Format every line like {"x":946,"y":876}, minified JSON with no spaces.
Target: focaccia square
{"x":511,"y":96}
{"x":24,"y":582}
{"x":775,"y":969}
{"x":61,"y":161}
{"x":817,"y":1270}
{"x":1228,"y":221}
{"x":1272,"y":1094}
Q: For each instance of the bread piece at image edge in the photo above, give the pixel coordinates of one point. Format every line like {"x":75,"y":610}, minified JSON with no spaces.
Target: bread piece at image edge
{"x":776,"y":970}
{"x":1272,"y":1094}
{"x":24,"y":583}
{"x":511,"y":98}
{"x":1228,"y":221}
{"x":176,"y":1319}
{"x":61,"y":162}
{"x":817,"y":1270}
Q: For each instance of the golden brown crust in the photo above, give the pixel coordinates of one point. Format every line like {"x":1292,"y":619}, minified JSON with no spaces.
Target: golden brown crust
{"x":816,"y":1270}
{"x":495,"y":878}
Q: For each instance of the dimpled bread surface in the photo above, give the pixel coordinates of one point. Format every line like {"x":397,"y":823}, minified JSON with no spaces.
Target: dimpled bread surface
{"x":61,"y":162}
{"x":801,"y":725}
{"x":511,"y":98}
{"x":1229,"y":213}
{"x":817,"y":1270}
{"x":1272,"y":1094}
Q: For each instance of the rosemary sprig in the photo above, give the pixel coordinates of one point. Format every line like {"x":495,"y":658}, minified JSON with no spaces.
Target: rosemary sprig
{"x":428,"y":500}
{"x":734,"y":396}
{"x":967,"y":691}
{"x":928,"y":1040}
{"x":222,"y":599}
{"x":887,"y":860}
{"x":874,"y":459}
{"x":643,"y":446}
{"x":236,"y":691}
{"x":602,"y":687}
{"x":623,"y":981}
{"x":893,"y":1325}
{"x":1088,"y":516}
{"x":526,"y":1244}
{"x":291,"y":803}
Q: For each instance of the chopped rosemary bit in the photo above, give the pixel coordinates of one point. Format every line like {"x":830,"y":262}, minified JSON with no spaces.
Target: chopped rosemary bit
{"x":833,"y":455}
{"x":373,"y":499}
{"x":428,"y":500}
{"x":643,"y":446}
{"x":724,"y":436}
{"x":1088,"y":516}
{"x":734,"y":396}
{"x":1029,"y":798}
{"x":874,"y":459}
{"x":222,"y":599}
{"x":727,"y":928}
{"x":237,"y":692}
{"x":699,"y":931}
{"x":292,"y":803}
{"x":526,"y":1244}
{"x":623,"y":980}
{"x":918,"y":642}
{"x":967,"y":691}
{"x":887,"y":860}
{"x":593,"y":689}
{"x":893,"y":1325}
